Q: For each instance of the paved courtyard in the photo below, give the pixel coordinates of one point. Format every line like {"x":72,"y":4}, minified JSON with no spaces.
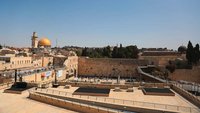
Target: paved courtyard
{"x":138,"y":95}
{"x":15,"y":103}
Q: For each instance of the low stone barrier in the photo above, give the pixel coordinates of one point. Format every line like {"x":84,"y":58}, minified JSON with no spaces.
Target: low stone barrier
{"x":67,"y":104}
{"x":114,"y":105}
{"x":12,"y":91}
{"x":5,"y":85}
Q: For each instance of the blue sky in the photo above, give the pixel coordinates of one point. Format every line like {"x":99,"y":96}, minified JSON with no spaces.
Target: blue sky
{"x":96,"y":23}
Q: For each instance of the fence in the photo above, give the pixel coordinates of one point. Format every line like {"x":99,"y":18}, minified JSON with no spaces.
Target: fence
{"x":189,"y":87}
{"x":129,"y":103}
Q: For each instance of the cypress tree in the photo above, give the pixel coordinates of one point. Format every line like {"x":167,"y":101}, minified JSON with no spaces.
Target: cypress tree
{"x":190,"y":53}
{"x":115,"y":52}
{"x":196,"y":53}
{"x":84,"y":52}
{"x":107,"y":52}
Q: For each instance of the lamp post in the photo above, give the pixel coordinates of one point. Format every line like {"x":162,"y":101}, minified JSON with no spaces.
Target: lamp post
{"x":15,"y":75}
{"x":55,"y":85}
{"x":56,"y":77}
{"x":118,"y":76}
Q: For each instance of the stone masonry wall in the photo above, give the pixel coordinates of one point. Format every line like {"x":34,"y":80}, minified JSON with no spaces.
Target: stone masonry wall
{"x":108,"y":67}
{"x":192,"y":75}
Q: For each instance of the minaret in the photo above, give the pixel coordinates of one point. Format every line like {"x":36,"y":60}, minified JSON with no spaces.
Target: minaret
{"x":34,"y":40}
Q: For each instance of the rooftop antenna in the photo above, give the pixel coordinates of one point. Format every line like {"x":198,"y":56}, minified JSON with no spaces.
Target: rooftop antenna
{"x":56,"y":43}
{"x":56,"y":52}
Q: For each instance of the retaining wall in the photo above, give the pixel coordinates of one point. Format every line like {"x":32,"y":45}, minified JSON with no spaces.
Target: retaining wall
{"x":108,"y":67}
{"x":66,"y":104}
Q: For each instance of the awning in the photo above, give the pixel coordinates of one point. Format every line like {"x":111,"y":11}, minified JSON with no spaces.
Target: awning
{"x":42,"y":75}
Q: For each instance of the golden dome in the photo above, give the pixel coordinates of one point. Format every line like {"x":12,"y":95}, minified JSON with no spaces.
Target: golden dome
{"x":44,"y":42}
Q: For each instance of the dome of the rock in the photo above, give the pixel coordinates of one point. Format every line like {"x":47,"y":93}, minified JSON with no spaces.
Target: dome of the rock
{"x":45,"y":42}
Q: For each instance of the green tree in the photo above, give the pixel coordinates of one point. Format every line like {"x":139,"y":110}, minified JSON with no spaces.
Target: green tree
{"x":78,"y":52}
{"x":98,"y":52}
{"x":196,"y":54}
{"x":182,"y":49}
{"x":190,"y":53}
{"x":132,"y":52}
{"x":121,"y":52}
{"x":107,"y":52}
{"x":118,"y":52}
{"x":171,"y":66}
{"x":166,"y":74}
{"x":85,"y":52}
{"x":115,"y":52}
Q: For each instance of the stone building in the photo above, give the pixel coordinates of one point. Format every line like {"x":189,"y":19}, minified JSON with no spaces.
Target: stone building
{"x":45,"y":76}
{"x":9,"y":62}
{"x":71,"y":65}
{"x":160,"y":58}
{"x":69,"y":62}
{"x":40,"y":46}
{"x":7,"y":52}
{"x":42,"y":43}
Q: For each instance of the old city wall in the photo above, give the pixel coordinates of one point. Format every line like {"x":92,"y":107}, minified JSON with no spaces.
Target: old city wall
{"x":108,"y":67}
{"x":192,"y":75}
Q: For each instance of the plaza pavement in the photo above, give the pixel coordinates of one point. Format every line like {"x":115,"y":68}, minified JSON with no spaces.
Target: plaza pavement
{"x":15,"y":103}
{"x":138,"y":95}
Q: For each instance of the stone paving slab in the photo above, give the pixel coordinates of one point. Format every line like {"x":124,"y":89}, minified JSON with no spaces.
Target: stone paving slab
{"x":138,"y":95}
{"x":14,"y":103}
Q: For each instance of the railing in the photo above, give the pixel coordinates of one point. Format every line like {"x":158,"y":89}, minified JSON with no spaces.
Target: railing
{"x":149,"y":75}
{"x":79,"y":104}
{"x":128,"y":103}
{"x":188,"y":87}
{"x":193,"y":98}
